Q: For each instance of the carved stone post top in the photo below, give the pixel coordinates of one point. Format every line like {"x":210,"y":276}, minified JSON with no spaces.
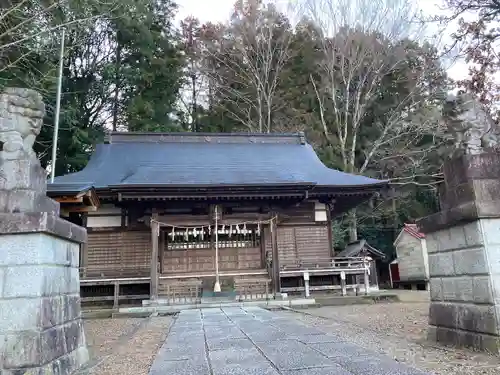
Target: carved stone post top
{"x":470,"y":123}
{"x":470,"y":192}
{"x":21,"y":119}
{"x":23,"y":182}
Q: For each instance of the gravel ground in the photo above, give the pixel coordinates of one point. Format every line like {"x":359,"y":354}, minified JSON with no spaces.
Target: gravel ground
{"x":123,"y":346}
{"x":399,"y":331}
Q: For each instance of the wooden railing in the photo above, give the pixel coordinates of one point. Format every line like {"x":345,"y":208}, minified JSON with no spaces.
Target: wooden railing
{"x":334,"y":264}
{"x":252,"y":289}
{"x":118,"y":294}
{"x":113,"y":271}
{"x":327,"y":266}
{"x":206,"y":267}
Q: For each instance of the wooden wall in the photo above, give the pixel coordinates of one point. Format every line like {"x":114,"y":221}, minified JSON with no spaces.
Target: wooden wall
{"x":126,"y":251}
{"x":300,"y":235}
{"x":301,"y":242}
{"x":203,"y":260}
{"x":117,"y":253}
{"x":302,"y":214}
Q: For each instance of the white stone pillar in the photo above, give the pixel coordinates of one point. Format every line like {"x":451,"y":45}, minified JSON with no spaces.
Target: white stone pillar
{"x":41,"y":330}
{"x":463,"y":245}
{"x":40,"y":326}
{"x":464,"y":267}
{"x":342,"y":283}
{"x":306,"y":284}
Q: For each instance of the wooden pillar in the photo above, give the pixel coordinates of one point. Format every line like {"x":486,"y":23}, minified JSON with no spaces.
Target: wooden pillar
{"x":116,"y":295}
{"x":262,"y":240}
{"x":155,"y":229}
{"x":373,"y":273}
{"x":367,"y":278}
{"x":329,"y":224}
{"x":276,"y":261}
{"x":84,"y":250}
{"x":163,"y":245}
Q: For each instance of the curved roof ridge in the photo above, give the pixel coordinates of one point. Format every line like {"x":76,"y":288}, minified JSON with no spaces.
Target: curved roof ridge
{"x":183,"y":137}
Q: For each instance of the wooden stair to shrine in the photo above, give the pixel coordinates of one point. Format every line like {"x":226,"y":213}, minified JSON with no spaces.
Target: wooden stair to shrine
{"x":250,"y":287}
{"x":177,"y":291}
{"x":246,"y":286}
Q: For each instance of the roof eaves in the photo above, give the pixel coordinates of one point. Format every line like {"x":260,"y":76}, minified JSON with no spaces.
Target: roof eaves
{"x":376,"y":186}
{"x":64,"y":189}
{"x":375,"y":251}
{"x":191,"y":186}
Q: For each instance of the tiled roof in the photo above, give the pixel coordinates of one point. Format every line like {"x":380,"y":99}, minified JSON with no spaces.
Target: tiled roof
{"x":194,"y":159}
{"x":412,"y":229}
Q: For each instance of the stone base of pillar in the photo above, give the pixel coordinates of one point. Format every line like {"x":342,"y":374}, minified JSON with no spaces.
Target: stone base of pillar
{"x":463,"y":243}
{"x":465,"y":285}
{"x":41,"y":329}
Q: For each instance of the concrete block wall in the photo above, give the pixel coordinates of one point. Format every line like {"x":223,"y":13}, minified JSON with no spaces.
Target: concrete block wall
{"x":40,"y":317}
{"x":464,"y":267}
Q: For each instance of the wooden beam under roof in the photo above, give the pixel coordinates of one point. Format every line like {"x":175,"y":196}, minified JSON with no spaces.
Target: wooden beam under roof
{"x":79,"y":208}
{"x":83,"y":201}
{"x":70,"y":199}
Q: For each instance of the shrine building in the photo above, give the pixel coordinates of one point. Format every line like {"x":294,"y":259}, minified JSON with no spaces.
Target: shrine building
{"x":187,"y":215}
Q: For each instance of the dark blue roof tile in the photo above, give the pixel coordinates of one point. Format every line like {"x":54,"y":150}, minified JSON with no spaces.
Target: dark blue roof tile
{"x":219,"y":160}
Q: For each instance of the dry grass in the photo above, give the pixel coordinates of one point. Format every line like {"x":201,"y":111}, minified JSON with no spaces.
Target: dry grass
{"x":124,"y":346}
{"x":398,"y":330}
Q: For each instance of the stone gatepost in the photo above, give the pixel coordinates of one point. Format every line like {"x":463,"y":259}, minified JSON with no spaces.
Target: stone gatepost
{"x":41,"y":329}
{"x":463,"y":242}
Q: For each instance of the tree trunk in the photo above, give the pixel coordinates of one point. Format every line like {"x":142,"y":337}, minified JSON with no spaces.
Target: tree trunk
{"x":352,"y":225}
{"x":395,"y":217}
{"x":194,"y":116}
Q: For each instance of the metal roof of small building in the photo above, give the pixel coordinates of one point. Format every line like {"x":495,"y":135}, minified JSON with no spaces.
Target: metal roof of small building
{"x":195,"y":159}
{"x":353,"y":249}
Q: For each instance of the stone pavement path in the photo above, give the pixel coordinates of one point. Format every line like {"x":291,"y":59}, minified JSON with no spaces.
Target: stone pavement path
{"x":255,"y":341}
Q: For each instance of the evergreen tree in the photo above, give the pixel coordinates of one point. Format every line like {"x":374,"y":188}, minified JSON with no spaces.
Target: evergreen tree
{"x":149,"y":62}
{"x":122,"y":68}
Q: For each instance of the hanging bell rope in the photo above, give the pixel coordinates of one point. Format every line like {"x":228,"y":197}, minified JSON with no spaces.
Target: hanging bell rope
{"x":173,"y":233}
{"x":209,"y":226}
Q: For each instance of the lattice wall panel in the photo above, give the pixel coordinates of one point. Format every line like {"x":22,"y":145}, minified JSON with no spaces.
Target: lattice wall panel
{"x":124,"y":252}
{"x":312,"y":242}
{"x":300,"y":242}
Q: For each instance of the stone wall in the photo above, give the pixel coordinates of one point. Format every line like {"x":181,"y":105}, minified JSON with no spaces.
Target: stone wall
{"x":41,"y":324}
{"x":464,"y":265}
{"x":463,"y":244}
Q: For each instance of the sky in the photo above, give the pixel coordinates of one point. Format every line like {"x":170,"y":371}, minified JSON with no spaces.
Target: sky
{"x":220,"y":10}
{"x":204,"y":10}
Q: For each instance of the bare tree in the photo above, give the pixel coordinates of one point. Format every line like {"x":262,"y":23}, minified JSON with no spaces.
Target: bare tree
{"x":245,"y":61}
{"x":30,"y":27}
{"x":372,"y":72}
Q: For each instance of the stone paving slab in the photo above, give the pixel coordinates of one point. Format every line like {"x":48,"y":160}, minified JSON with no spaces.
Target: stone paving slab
{"x":254,"y":341}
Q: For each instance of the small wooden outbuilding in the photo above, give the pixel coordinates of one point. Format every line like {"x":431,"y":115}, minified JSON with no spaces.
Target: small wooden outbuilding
{"x":410,"y":269}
